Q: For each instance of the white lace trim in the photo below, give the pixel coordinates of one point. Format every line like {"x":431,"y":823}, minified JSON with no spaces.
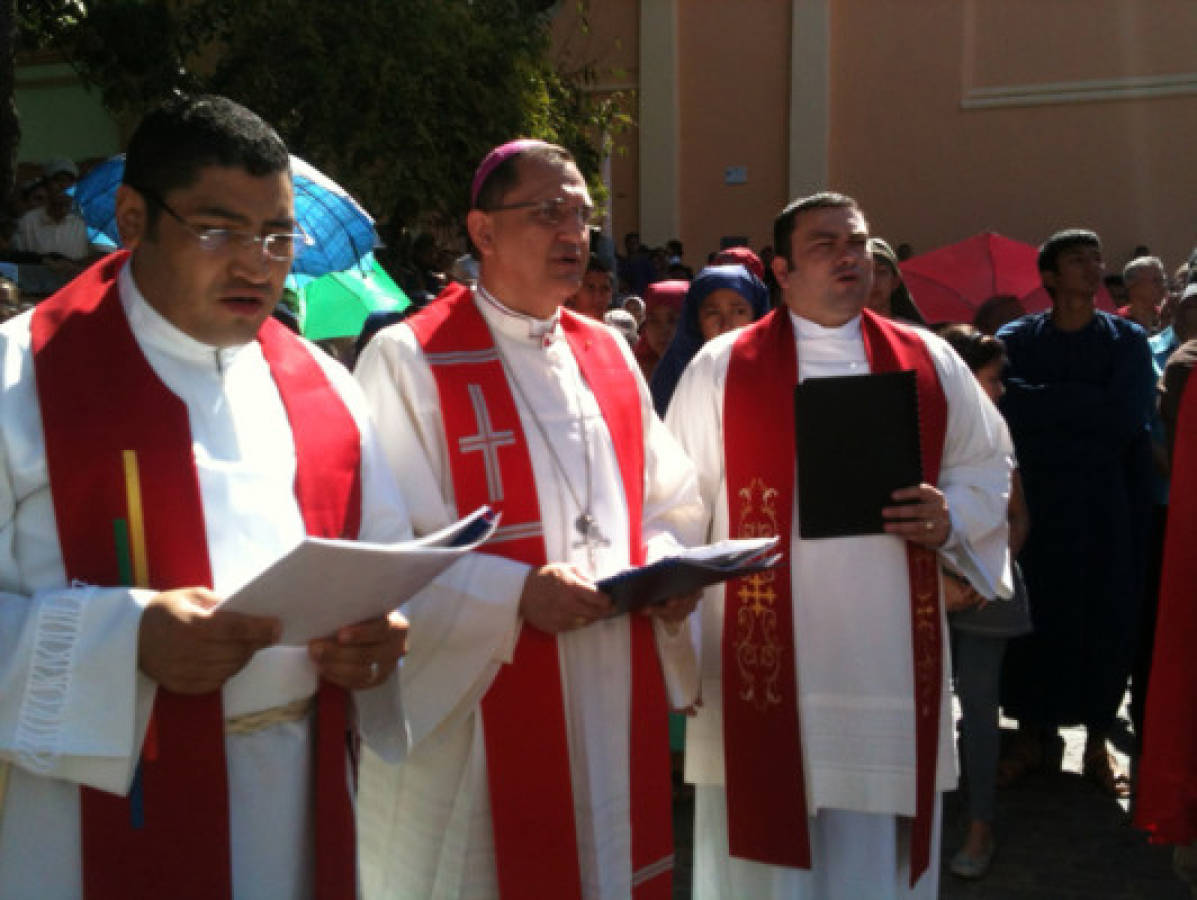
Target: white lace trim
{"x":39,"y":722}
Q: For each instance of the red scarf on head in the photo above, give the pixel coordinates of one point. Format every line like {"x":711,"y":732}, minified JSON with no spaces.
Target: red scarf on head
{"x":766,"y":787}
{"x":523,"y":712}
{"x":119,"y":454}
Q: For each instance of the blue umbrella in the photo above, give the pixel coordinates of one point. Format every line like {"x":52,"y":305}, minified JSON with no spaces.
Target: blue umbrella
{"x":343,"y":231}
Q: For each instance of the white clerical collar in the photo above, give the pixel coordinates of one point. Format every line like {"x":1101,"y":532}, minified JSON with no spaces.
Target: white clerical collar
{"x":515,"y":324}
{"x":152,"y":328}
{"x":805,"y":329}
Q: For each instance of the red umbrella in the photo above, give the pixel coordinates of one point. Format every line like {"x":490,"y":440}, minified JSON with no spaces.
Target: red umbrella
{"x":950,"y":283}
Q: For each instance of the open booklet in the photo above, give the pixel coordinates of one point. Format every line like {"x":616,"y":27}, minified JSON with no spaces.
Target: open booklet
{"x":322,"y":584}
{"x":689,"y":570}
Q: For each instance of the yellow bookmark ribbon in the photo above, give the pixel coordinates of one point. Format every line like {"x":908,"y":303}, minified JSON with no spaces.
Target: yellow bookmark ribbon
{"x":141,"y":566}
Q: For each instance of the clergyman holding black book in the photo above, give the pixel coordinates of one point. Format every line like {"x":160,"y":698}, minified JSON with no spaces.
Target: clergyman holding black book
{"x":824,"y":740}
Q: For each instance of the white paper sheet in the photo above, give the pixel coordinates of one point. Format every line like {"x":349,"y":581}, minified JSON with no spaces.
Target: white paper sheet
{"x":322,"y":585}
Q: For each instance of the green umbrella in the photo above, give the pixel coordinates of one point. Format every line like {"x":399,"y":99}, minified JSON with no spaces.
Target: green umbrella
{"x":336,"y":305}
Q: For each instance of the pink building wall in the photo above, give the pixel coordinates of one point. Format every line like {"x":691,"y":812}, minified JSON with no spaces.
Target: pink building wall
{"x":947,"y":117}
{"x":734,"y":83}
{"x":929,"y":172}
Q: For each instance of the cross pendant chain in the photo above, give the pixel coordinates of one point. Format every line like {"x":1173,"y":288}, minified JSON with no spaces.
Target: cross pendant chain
{"x":592,"y":536}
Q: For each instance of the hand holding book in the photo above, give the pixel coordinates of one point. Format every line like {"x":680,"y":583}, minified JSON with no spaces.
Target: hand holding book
{"x":688,"y":571}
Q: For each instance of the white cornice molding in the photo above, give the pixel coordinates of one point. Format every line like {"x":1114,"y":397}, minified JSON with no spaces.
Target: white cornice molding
{"x":1135,"y":87}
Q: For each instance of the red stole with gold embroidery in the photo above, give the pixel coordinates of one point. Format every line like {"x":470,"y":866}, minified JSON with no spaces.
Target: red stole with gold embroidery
{"x":766,"y":789}
{"x":122,"y":476}
{"x":523,"y":712}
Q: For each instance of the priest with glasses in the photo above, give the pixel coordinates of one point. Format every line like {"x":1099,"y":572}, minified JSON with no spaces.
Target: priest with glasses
{"x":539,"y":763}
{"x":162,"y":440}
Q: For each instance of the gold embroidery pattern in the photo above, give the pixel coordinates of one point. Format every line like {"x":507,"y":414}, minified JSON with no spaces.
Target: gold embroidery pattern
{"x":758,"y":652}
{"x":926,"y":631}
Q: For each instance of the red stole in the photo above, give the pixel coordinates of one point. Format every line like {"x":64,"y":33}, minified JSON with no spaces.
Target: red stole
{"x":1166,"y":802}
{"x":100,"y":399}
{"x":766,"y":793}
{"x":523,"y":712}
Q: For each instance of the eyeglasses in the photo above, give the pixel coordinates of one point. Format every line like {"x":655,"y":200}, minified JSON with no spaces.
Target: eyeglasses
{"x":553,"y":213}
{"x":282,"y":246}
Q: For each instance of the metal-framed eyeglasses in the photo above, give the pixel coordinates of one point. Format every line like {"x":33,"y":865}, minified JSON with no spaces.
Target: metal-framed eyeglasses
{"x":554,"y":212}
{"x":281,"y":246}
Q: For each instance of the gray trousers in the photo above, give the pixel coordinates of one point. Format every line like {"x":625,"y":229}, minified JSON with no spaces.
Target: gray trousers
{"x":977,"y":668}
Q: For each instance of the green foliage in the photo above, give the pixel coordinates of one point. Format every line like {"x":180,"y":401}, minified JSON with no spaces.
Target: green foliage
{"x":395,"y":99}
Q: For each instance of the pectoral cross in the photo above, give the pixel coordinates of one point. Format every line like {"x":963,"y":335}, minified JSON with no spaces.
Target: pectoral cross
{"x":592,"y":536}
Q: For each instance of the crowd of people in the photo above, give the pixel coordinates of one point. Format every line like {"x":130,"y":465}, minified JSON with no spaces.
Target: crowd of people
{"x":164,"y":437}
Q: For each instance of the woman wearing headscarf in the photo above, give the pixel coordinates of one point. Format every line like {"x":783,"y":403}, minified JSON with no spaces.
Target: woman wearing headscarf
{"x":662,"y":307}
{"x":890,"y":297}
{"x":740,"y":256}
{"x":720,"y":298}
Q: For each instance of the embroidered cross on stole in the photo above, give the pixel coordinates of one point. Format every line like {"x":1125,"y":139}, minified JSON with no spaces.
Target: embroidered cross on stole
{"x":766,"y":792}
{"x":523,"y":712}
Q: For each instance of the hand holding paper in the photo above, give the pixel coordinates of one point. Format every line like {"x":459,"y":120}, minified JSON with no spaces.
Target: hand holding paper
{"x":363,"y":655}
{"x":189,"y":645}
{"x":324,"y":585}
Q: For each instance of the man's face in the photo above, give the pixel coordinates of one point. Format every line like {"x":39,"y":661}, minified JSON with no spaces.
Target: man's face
{"x":62,"y":180}
{"x":533,"y":262}
{"x":58,"y":205}
{"x":832,"y":271}
{"x":217,"y":296}
{"x":594,"y":296}
{"x":1149,"y":288}
{"x":1079,"y":270}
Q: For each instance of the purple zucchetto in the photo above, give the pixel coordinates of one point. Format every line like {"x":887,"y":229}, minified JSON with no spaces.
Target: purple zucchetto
{"x":496,"y":158}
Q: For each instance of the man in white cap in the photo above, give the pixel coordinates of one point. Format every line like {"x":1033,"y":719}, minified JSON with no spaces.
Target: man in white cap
{"x":60,"y":173}
{"x":55,"y":230}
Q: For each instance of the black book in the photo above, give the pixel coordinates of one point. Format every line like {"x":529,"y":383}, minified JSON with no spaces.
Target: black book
{"x":857,"y":439}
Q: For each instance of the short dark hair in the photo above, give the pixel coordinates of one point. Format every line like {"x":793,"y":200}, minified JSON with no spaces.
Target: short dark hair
{"x":1186,"y":307}
{"x":1050,"y":250}
{"x":505,"y":175}
{"x":186,"y":134}
{"x":991,"y":315}
{"x":976,"y":348}
{"x":784,"y":224}
{"x":597,"y":264}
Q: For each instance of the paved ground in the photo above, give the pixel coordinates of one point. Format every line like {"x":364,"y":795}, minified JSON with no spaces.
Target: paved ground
{"x":1059,"y":838}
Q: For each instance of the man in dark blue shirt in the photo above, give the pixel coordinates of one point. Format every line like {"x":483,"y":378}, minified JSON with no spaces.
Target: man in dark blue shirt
{"x":1079,"y":392}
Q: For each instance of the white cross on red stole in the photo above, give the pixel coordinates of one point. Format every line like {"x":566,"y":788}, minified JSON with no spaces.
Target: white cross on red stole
{"x":487,"y":442}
